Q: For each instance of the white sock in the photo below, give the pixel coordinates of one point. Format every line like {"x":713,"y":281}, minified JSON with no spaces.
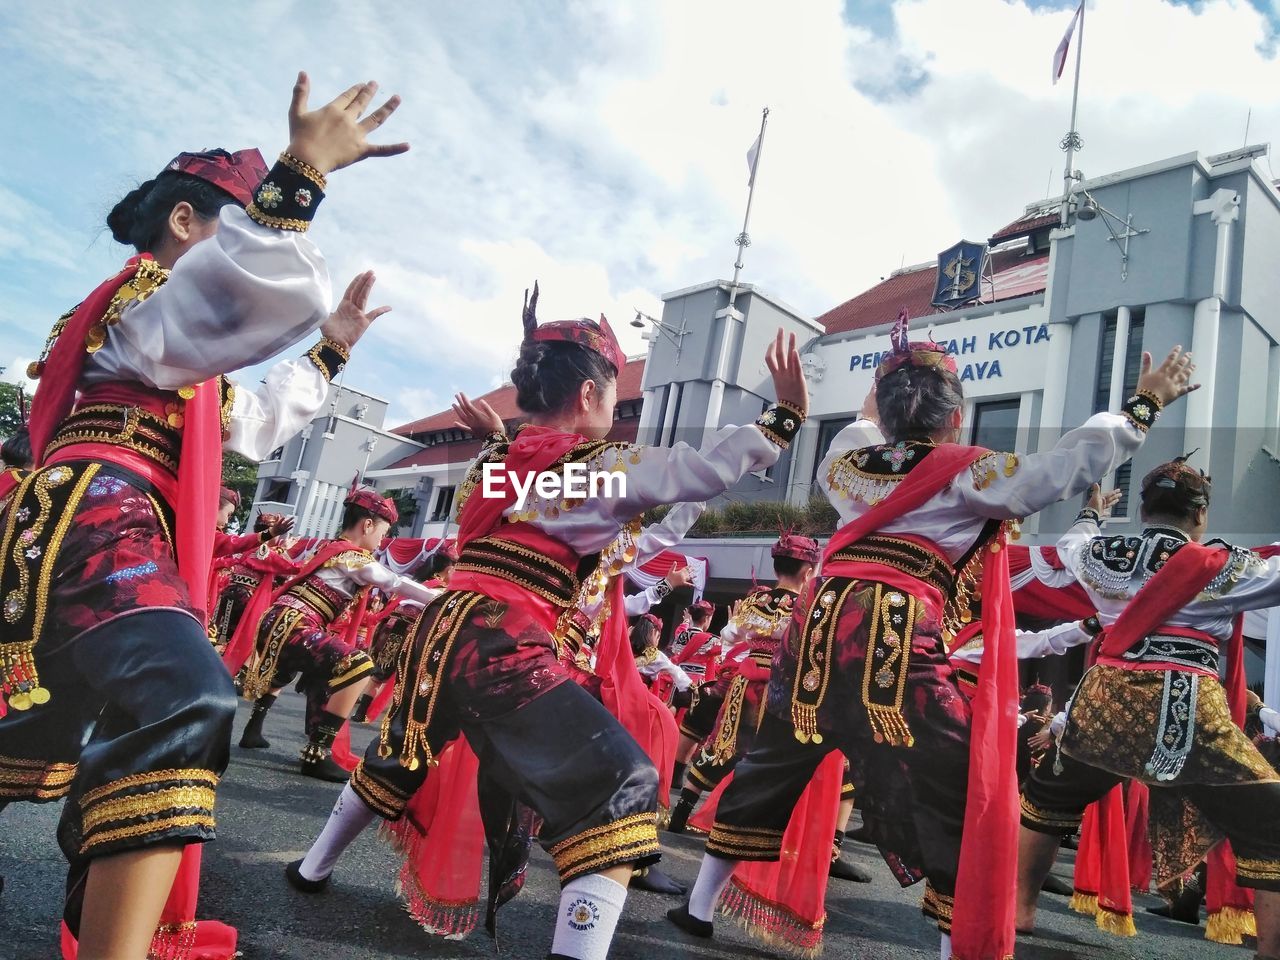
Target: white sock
{"x":713,"y":877}
{"x":589,"y":911}
{"x":944,"y":952}
{"x":350,"y":816}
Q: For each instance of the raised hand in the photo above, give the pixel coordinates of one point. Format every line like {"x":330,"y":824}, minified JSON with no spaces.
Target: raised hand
{"x":334,"y":136}
{"x":476,"y":416}
{"x":1102,"y":503}
{"x":349,"y":321}
{"x":280,"y":525}
{"x":679,"y":577}
{"x":1170,"y":380}
{"x":783,"y":360}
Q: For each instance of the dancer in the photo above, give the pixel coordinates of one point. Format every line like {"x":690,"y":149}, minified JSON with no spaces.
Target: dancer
{"x":483,"y":661}
{"x":654,"y":664}
{"x":297,"y":637}
{"x":116,"y":697}
{"x":1152,"y":707}
{"x":865,"y":670}
{"x":390,"y":625}
{"x":756,"y":629}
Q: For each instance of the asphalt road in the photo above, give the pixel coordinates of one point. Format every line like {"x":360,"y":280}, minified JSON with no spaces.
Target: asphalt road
{"x":267,"y":816}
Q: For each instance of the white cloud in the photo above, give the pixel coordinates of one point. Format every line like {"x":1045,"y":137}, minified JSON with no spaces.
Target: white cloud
{"x":600,"y":148}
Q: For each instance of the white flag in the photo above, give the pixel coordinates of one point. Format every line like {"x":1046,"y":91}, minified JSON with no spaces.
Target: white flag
{"x":752,"y":156}
{"x":1060,"y":55}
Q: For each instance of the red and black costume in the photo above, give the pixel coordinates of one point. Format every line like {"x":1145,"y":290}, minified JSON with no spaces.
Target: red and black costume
{"x":115,"y":697}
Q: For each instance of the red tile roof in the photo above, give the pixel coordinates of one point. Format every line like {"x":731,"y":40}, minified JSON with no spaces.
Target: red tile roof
{"x":1020,"y":228}
{"x":503,"y":401}
{"x":1015,"y":275}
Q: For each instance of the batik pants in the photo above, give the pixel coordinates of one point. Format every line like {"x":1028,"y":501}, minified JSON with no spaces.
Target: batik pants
{"x":1120,"y":728}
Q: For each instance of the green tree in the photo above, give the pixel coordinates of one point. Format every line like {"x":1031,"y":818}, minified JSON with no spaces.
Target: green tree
{"x":10,"y":415}
{"x":241,"y":475}
{"x":406,"y":505}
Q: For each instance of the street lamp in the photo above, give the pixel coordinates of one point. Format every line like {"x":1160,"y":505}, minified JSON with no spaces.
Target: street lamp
{"x":1090,"y":209}
{"x":659,"y":328}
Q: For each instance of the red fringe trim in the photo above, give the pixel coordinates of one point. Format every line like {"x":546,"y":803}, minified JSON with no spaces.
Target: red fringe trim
{"x":172,"y":941}
{"x":772,"y":922}
{"x":452,"y":920}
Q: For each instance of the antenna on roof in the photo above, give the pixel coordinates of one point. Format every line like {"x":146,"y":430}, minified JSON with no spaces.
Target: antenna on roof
{"x":1247,"y":120}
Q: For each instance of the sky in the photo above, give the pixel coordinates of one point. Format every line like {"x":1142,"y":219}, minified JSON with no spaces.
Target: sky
{"x":599,"y":146}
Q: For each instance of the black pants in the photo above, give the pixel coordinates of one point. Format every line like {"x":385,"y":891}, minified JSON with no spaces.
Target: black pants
{"x":561,"y":754}
{"x":1054,"y":803}
{"x":136,"y":733}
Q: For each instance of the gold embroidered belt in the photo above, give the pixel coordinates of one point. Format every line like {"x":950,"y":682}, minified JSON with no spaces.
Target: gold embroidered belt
{"x":905,"y":556}
{"x":523,"y":566}
{"x":115,"y":424}
{"x":325,"y":605}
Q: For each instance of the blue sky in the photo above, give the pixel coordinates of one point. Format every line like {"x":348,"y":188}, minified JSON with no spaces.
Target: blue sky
{"x":599,"y":145}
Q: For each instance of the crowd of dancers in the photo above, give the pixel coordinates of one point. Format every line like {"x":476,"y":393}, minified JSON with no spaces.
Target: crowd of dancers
{"x":522,"y":696}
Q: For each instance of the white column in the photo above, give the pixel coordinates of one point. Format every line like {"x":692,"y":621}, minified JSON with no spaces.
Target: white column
{"x":1022,"y":444}
{"x":649,"y":413}
{"x":1119,"y":360}
{"x":1223,"y":207}
{"x":1054,"y":399}
{"x":669,"y":419}
{"x":728,"y":333}
{"x":1271,"y":674}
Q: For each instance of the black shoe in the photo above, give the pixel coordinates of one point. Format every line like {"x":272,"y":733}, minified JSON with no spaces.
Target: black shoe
{"x":301,"y":883}
{"x":689,"y":924}
{"x":843,"y":870}
{"x":679,"y":817}
{"x":253,"y":740}
{"x":655,"y":881}
{"x":324,"y":769}
{"x":1057,"y":885}
{"x":360,"y":714}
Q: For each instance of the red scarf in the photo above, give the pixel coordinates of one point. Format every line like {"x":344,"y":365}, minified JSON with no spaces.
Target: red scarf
{"x":1229,"y":906}
{"x":785,"y":900}
{"x":624,"y":694}
{"x":1103,"y":885}
{"x":982,"y":925}
{"x":180,"y":936}
{"x":240,"y":647}
{"x":534,"y":450}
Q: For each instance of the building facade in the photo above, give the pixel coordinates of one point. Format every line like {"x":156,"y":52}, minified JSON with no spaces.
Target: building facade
{"x":1174,"y":252}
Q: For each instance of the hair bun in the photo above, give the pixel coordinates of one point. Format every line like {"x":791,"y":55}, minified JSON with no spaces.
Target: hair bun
{"x":123,"y":217}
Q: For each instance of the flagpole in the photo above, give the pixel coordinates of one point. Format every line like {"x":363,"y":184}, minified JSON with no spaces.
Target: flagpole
{"x":1072,"y":142}
{"x":743,"y":239}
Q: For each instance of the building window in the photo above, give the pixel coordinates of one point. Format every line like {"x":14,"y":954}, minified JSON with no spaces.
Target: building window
{"x":1271,"y":436}
{"x":276,"y":454}
{"x":1107,"y":358}
{"x":827,"y":431}
{"x":277,"y":491}
{"x":1122,"y":481}
{"x":444,"y":504}
{"x":995,"y":424}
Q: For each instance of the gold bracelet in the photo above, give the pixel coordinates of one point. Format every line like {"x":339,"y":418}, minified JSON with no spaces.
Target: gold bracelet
{"x":303,"y":169}
{"x":276,"y":223}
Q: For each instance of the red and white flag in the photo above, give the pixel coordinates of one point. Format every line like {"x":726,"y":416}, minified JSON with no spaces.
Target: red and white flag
{"x":1060,"y":55}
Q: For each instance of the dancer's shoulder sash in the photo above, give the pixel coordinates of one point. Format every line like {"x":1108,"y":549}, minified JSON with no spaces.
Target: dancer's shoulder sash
{"x":1184,"y":575}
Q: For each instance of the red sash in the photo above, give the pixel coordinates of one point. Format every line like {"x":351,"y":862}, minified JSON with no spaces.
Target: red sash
{"x":929,"y":478}
{"x":534,"y":450}
{"x":1173,"y":586}
{"x":322,"y":556}
{"x":240,"y":645}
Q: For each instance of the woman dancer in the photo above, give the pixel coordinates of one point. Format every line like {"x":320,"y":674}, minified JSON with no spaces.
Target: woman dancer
{"x":116,"y":697}
{"x":483,"y":662}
